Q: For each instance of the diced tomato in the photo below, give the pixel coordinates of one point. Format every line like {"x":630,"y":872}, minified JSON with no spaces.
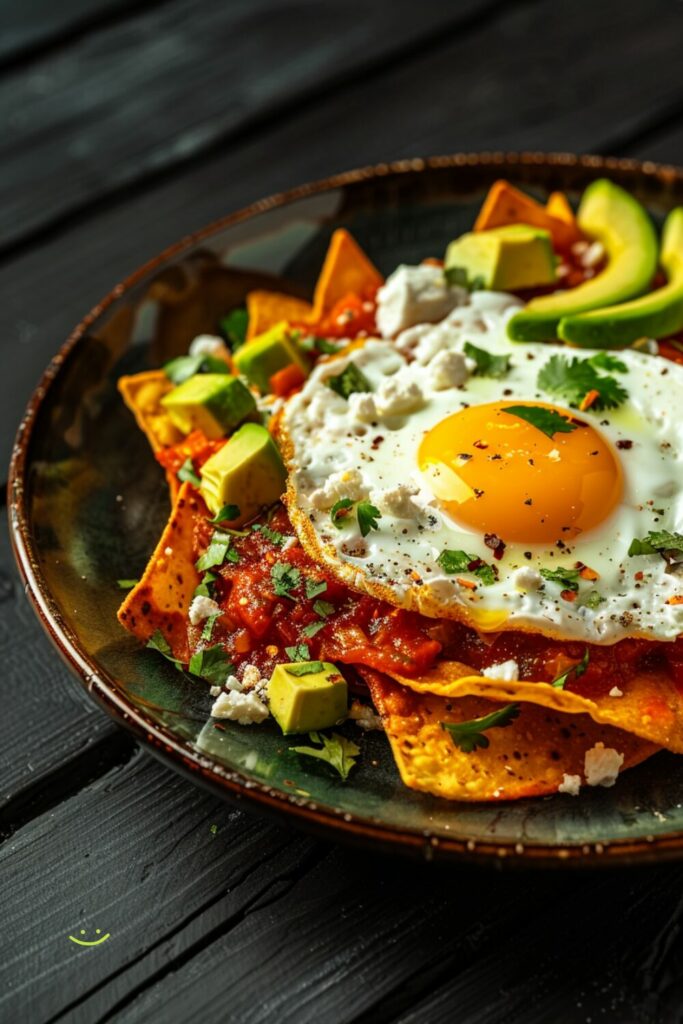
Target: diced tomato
{"x":286,"y":380}
{"x":351,"y":317}
{"x":196,"y":446}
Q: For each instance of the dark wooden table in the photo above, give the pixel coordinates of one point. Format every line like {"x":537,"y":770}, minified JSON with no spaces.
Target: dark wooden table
{"x":125,"y":126}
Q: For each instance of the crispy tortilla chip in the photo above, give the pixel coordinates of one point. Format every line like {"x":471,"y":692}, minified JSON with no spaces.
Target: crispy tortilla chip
{"x":266,"y":309}
{"x":651,"y":706}
{"x":142,"y":393}
{"x":161,"y":599}
{"x":526,"y":758}
{"x":346,"y":269}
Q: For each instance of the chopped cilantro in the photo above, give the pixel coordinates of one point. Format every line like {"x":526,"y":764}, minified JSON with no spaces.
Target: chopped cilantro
{"x":205,"y":588}
{"x":573,"y":670}
{"x":574,"y":378}
{"x":312,"y":343}
{"x":234,"y":327}
{"x":187,"y":473}
{"x":546,"y":420}
{"x":367,"y":517}
{"x":158,"y":642}
{"x":285,"y":578}
{"x":592,"y":599}
{"x":568,"y":579}
{"x":351,"y":379}
{"x":274,"y":536}
{"x":180,"y":369}
{"x":315,"y":587}
{"x":217,"y":552}
{"x":606,"y":361}
{"x":657,"y":542}
{"x":299,"y":652}
{"x":212,"y":664}
{"x":207,"y":632}
{"x":339,"y":511}
{"x":127,"y":584}
{"x":313,"y":627}
{"x":461,"y":277}
{"x":459,"y":561}
{"x":336,"y":750}
{"x":306,"y":668}
{"x":323,"y":608}
{"x":487,"y":363}
{"x":227,"y":514}
{"x":467,"y":736}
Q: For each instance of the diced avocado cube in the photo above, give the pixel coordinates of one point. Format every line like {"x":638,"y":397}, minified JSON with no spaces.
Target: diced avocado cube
{"x":267,"y":353}
{"x":247,"y":471}
{"x":502,"y":259}
{"x":213,"y":402}
{"x":307,"y":695}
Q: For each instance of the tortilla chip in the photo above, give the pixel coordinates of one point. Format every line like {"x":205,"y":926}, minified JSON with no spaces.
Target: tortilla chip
{"x":162,"y":598}
{"x":651,"y":706}
{"x":346,"y":269}
{"x":142,"y":393}
{"x":266,"y":309}
{"x":526,"y":758}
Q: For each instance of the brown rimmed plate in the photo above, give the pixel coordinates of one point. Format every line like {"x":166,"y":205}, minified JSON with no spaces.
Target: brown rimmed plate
{"x":87,"y":502}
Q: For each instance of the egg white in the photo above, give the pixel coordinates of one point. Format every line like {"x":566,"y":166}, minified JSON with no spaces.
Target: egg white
{"x":323,"y":438}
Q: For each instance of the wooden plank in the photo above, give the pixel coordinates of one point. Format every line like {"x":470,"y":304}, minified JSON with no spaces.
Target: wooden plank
{"x":167,"y":84}
{"x":147,"y":858}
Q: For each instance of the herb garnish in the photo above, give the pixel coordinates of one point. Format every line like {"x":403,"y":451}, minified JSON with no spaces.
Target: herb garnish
{"x":315,"y":587}
{"x":336,"y":750}
{"x":312,"y":343}
{"x":487,"y":363}
{"x":367,"y":517}
{"x":207,"y":632}
{"x":605,"y":361}
{"x":180,"y":369}
{"x":574,"y":670}
{"x":158,"y":642}
{"x":187,"y":473}
{"x":323,"y":608}
{"x":575,"y":378}
{"x":227,"y":514}
{"x":339,"y":511}
{"x":127,"y":584}
{"x":460,"y":276}
{"x":547,"y":421}
{"x":285,"y":577}
{"x":593,"y":599}
{"x":234,"y":327}
{"x":274,"y":536}
{"x":307,"y":668}
{"x":350,"y":380}
{"x":657,"y":542}
{"x":299,"y":652}
{"x":459,"y":561}
{"x":218,"y":551}
{"x":568,"y":579}
{"x":206,"y":587}
{"x":467,"y":736}
{"x":313,"y":627}
{"x":212,"y":664}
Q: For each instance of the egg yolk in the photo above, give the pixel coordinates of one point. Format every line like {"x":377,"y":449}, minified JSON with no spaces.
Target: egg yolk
{"x":495,"y":472}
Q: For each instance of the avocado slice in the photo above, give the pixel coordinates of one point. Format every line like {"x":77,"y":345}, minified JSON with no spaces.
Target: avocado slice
{"x":306,"y":696}
{"x":652,"y":316}
{"x":501,"y":259}
{"x":267,"y":353}
{"x":618,"y":220}
{"x":247,"y":471}
{"x":213,"y":402}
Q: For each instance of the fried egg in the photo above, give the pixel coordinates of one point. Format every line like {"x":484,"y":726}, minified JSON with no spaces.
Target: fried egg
{"x":435,"y":447}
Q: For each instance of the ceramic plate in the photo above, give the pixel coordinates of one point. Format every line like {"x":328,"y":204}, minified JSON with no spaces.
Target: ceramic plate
{"x":88,"y":502}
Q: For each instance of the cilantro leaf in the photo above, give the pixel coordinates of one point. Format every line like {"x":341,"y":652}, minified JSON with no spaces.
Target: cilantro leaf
{"x":606,"y":361}
{"x":274,"y":536}
{"x":593,"y":599}
{"x":299,"y":652}
{"x":313,"y":627}
{"x":307,"y":668}
{"x":312,"y":343}
{"x":285,"y":578}
{"x":158,"y":642}
{"x":234,"y":327}
{"x":212,"y":664}
{"x":217,"y":552}
{"x":459,"y":561}
{"x":340,"y":511}
{"x":568,"y":579}
{"x":657,"y":542}
{"x":467,"y":736}
{"x":206,"y":587}
{"x":336,"y":750}
{"x":226,"y":514}
{"x":546,"y":420}
{"x":487,"y":363}
{"x":207,"y":632}
{"x":315,"y":587}
{"x":350,"y":380}
{"x":127,"y":584}
{"x":574,"y":378}
{"x":367,"y":517}
{"x":184,"y":367}
{"x":461,"y":276}
{"x":187,"y":473}
{"x":323,"y":608}
{"x":573,"y":670}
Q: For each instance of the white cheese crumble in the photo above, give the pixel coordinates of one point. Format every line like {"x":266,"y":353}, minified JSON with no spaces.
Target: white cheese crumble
{"x":208,"y":345}
{"x":616,"y":692}
{"x":506,"y":671}
{"x":448,"y":370}
{"x":244,"y":708}
{"x":346,"y":483}
{"x":570,"y":784}
{"x":201,"y":608}
{"x":398,"y":501}
{"x":362,"y":408}
{"x":527,"y":578}
{"x":365,"y":716}
{"x":397,"y":397}
{"x":601,"y":765}
{"x":414,"y":295}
